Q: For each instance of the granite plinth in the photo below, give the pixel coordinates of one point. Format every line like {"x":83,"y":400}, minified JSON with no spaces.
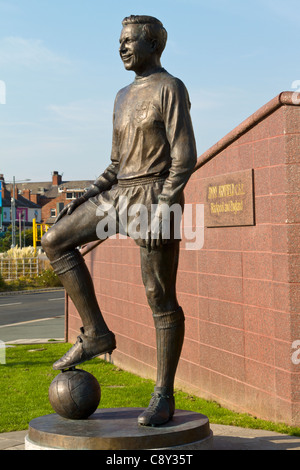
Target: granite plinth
{"x":117,"y":429}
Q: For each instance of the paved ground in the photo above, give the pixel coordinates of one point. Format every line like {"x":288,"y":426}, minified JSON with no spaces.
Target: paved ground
{"x":26,"y":315}
{"x":225,"y":438}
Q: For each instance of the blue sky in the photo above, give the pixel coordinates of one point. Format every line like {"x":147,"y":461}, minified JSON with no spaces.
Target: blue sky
{"x":59,"y":61}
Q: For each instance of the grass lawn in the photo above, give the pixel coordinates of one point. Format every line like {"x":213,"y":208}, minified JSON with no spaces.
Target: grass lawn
{"x":27,"y":374}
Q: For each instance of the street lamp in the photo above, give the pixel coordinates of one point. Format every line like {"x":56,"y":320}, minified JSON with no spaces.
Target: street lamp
{"x":13,"y":211}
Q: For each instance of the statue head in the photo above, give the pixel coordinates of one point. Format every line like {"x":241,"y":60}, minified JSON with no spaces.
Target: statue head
{"x":142,"y":42}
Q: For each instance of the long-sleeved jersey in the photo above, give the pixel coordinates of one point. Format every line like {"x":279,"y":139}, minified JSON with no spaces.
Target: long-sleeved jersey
{"x":152,"y":135}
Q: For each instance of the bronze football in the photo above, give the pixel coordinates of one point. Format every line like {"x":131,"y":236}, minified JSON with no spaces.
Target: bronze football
{"x":75,"y":394}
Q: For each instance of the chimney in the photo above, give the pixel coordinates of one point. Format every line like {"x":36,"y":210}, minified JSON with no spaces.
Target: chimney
{"x":16,"y":192}
{"x":56,"y":178}
{"x":34,"y":198}
{"x":26,"y":194}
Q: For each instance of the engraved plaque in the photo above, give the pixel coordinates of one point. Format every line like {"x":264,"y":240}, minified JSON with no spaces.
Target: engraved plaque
{"x":229,"y":200}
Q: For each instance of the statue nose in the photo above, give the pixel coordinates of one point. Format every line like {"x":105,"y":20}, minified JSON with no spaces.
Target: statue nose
{"x":122,"y":48}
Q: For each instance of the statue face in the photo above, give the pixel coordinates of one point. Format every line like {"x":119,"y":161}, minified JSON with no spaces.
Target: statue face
{"x":136,"y":53}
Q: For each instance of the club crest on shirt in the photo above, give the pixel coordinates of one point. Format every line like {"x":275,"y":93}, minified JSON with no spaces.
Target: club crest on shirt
{"x":141,"y":111}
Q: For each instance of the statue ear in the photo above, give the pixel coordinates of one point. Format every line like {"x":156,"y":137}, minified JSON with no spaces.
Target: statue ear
{"x":154,"y":45}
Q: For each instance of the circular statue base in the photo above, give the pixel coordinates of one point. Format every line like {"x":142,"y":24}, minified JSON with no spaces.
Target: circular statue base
{"x":117,"y":429}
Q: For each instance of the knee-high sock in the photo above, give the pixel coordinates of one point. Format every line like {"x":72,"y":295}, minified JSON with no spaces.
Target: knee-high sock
{"x":76,"y":279}
{"x":169,"y":339}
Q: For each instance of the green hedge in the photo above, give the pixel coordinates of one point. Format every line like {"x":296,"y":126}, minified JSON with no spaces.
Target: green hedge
{"x":47,"y":278}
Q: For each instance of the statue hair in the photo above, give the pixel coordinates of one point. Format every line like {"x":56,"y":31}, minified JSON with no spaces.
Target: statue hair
{"x":153,"y":29}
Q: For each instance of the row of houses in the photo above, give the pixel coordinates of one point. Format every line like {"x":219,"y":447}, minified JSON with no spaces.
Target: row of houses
{"x":40,"y":200}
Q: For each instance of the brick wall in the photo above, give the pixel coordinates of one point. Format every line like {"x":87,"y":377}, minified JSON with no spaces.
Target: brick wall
{"x":52,"y":204}
{"x":240,"y":292}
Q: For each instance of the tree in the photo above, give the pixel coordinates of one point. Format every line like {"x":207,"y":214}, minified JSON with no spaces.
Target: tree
{"x":6,"y":239}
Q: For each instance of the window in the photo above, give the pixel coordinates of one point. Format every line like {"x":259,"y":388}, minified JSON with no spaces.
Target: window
{"x":52,"y":212}
{"x":74,"y":194}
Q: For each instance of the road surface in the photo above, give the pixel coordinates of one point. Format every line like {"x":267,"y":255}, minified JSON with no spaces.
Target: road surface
{"x":32,"y":316}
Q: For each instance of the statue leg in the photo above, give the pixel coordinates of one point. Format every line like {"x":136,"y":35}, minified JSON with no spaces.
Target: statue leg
{"x":60,"y":244}
{"x":159,"y":269}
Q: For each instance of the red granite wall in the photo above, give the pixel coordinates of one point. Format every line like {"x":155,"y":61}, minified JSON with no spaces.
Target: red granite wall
{"x":240,"y":291}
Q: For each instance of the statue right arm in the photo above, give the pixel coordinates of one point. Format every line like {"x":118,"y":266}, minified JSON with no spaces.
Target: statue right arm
{"x":108,"y":178}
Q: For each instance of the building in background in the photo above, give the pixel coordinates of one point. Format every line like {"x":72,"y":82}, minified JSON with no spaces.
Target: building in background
{"x":25,"y":209}
{"x":51,"y":196}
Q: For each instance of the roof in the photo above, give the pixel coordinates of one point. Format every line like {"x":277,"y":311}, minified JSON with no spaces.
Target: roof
{"x":46,"y":186}
{"x":48,"y":190}
{"x":67,"y":186}
{"x":76,"y":184}
{"x":20,"y":202}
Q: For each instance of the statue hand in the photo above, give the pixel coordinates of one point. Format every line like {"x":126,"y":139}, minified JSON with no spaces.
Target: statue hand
{"x":67,"y":210}
{"x":155,"y":236}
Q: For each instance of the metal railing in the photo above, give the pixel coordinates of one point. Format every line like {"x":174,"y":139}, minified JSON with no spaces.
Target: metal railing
{"x":11,"y":268}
